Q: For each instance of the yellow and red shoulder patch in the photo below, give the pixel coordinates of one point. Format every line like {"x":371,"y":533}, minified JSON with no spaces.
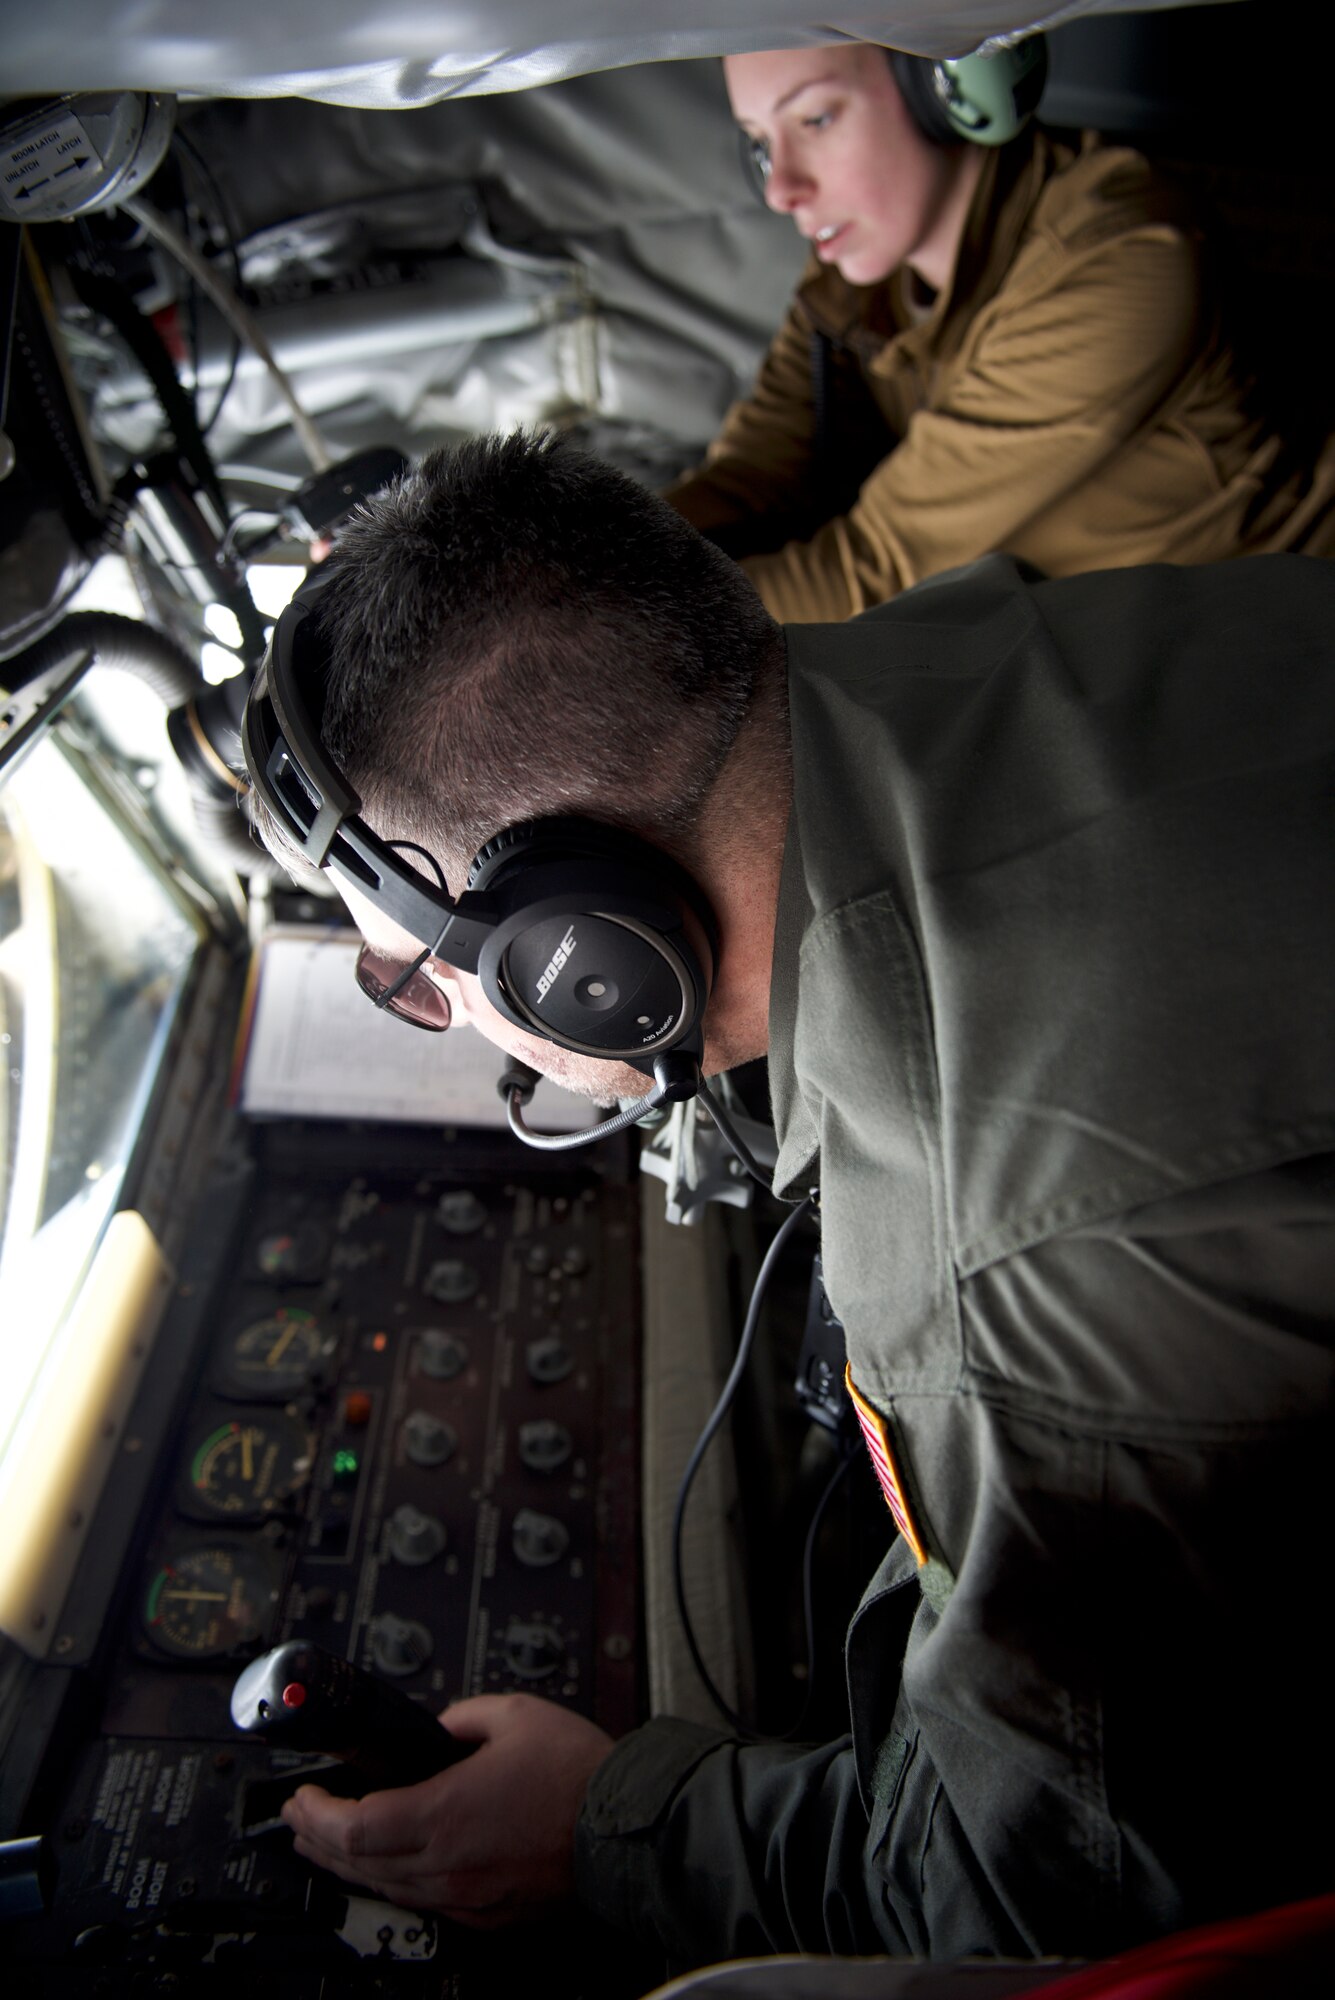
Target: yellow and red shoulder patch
{"x":876,"y":1433}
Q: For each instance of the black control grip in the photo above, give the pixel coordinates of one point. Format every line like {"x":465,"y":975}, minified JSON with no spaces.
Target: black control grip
{"x":299,"y":1697}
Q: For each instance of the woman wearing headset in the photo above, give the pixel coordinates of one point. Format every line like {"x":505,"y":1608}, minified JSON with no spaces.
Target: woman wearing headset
{"x":1011,"y":346}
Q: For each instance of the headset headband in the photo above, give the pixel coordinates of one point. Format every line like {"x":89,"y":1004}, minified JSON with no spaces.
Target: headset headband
{"x":319,"y":811}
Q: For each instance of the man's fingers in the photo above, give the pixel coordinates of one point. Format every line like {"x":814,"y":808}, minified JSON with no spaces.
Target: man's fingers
{"x":382,"y":1826}
{"x":468,"y":1896}
{"x":489,"y":1838}
{"x":337,"y":1863}
{"x":477,"y":1719}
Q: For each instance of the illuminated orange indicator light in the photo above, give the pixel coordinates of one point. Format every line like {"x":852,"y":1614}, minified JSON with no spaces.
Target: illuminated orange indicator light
{"x":380,"y":1342}
{"x":357,"y":1408}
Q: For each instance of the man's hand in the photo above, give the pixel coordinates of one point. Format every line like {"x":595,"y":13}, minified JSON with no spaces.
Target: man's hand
{"x":486,"y":1842}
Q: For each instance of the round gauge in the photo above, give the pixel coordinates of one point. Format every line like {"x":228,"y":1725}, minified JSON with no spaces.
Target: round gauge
{"x":294,"y":1256}
{"x":207,"y":1601}
{"x":249,"y":1465}
{"x":460,"y":1212}
{"x":274,"y":1358}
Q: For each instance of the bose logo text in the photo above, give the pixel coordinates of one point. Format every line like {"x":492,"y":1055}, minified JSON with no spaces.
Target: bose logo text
{"x":558,"y":959}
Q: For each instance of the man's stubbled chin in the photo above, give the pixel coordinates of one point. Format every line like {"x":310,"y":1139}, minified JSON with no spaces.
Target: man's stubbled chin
{"x":601,"y":1082}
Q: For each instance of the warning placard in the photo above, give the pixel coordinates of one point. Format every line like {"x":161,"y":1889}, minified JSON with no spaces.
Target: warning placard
{"x":44,"y":156}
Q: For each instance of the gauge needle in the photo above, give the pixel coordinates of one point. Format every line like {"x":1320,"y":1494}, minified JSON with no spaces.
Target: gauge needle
{"x":197,"y":1596}
{"x":247,"y":1455}
{"x":276,"y":1353}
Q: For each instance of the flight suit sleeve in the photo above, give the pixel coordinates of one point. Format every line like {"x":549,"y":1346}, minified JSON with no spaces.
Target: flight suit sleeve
{"x":708,"y":1848}
{"x":752,"y":488}
{"x":1079,"y":352}
{"x":1108,"y":1722}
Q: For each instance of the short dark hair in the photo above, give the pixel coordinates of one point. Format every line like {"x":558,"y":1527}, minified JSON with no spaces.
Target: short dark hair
{"x":517,"y":629}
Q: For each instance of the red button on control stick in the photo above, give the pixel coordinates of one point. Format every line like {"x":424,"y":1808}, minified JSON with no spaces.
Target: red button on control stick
{"x":293,"y":1695}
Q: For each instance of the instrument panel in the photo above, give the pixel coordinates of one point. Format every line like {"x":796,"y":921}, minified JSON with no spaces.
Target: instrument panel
{"x":408,"y":1432}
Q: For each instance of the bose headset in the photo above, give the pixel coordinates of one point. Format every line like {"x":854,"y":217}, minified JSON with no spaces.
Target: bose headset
{"x":580,"y":933}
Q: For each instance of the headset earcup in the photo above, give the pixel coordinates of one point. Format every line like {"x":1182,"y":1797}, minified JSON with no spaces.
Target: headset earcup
{"x":982,"y":100}
{"x":490,"y":864}
{"x":604,"y":946}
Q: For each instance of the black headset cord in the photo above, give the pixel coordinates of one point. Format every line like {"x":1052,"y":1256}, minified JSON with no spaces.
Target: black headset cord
{"x":706,"y":1438}
{"x":516,"y":1086}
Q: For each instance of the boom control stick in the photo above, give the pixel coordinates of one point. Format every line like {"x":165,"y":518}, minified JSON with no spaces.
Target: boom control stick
{"x":299,"y":1697}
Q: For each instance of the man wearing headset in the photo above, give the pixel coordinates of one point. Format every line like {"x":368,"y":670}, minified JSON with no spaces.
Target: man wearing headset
{"x":1024,"y":887}
{"x":1013,"y":346}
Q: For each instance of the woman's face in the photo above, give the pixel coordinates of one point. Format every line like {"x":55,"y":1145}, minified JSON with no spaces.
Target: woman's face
{"x":847,"y":162}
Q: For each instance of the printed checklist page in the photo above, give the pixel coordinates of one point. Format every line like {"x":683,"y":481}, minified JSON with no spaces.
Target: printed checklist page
{"x":312,"y":1045}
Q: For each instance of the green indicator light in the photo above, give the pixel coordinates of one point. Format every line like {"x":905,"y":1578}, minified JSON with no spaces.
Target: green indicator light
{"x":345,"y":1464}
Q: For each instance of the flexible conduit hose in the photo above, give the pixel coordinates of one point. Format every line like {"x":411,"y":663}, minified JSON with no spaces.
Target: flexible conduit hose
{"x":114,"y":641}
{"x":152,"y":657}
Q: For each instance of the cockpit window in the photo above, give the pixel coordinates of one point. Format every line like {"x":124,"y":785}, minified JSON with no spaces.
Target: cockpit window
{"x":95,"y":952}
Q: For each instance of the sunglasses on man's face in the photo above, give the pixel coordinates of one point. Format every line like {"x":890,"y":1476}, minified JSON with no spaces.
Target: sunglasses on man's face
{"x":408,"y":992}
